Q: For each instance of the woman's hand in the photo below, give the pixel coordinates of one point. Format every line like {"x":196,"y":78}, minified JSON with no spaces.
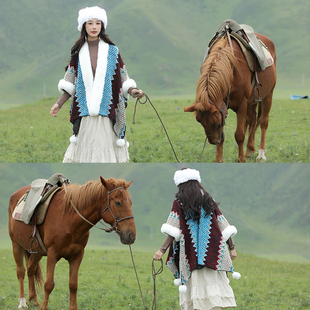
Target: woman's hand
{"x":233,"y":254}
{"x":136,"y":93}
{"x":54,"y":110}
{"x":158,"y":255}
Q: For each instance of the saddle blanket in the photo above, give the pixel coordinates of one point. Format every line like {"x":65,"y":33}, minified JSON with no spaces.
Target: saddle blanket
{"x":250,"y":58}
{"x":41,"y":209}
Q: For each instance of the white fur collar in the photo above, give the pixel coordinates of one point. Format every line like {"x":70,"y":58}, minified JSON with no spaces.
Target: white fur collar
{"x":94,"y":86}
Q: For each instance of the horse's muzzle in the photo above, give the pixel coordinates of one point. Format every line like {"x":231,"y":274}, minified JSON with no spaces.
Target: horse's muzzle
{"x":217,"y":138}
{"x":127,"y":237}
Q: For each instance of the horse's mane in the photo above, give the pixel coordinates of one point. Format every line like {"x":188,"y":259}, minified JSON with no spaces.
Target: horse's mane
{"x":216,"y":75}
{"x":83,"y":196}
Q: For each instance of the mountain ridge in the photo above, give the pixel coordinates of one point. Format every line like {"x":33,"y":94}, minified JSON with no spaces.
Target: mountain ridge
{"x":161,"y":42}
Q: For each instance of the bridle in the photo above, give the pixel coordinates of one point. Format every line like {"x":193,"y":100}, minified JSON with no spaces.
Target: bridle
{"x":108,"y":207}
{"x":116,"y":218}
{"x":222,"y":110}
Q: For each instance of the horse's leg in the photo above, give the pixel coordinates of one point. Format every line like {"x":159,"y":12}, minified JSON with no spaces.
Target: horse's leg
{"x":219,"y":152}
{"x":251,"y":120}
{"x":263,"y":121}
{"x":33,"y":268}
{"x":18,"y":253}
{"x":73,"y":281}
{"x":49,"y":283}
{"x":239,"y":133}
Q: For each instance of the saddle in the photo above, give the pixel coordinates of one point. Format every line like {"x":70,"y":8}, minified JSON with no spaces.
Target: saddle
{"x":33,"y":205}
{"x":251,"y":46}
{"x":249,"y":43}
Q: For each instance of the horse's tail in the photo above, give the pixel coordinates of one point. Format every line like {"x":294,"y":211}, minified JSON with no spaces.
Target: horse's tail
{"x":246,"y":126}
{"x":258,"y":113}
{"x":38,"y":276}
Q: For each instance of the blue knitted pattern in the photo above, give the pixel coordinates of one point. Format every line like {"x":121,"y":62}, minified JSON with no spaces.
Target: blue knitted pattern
{"x":121,"y":135}
{"x":200,"y":235}
{"x":81,"y":93}
{"x":171,"y":263}
{"x":201,"y":244}
{"x":107,"y":91}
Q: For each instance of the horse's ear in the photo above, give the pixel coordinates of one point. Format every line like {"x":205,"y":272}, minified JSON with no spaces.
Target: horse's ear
{"x":191,"y":108}
{"x":128,"y":184}
{"x":106,"y":183}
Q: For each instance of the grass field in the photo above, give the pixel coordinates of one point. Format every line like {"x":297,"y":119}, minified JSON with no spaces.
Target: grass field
{"x":29,"y":134}
{"x":107,"y":281}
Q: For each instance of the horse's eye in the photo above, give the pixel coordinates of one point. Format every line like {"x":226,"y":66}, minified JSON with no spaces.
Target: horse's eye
{"x":118,"y":203}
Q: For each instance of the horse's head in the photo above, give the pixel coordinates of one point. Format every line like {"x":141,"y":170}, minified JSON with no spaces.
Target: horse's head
{"x":212,"y":118}
{"x":118,"y":211}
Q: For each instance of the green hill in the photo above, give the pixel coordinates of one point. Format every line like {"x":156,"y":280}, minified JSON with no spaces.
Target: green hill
{"x":162,"y":42}
{"x":269,"y":204}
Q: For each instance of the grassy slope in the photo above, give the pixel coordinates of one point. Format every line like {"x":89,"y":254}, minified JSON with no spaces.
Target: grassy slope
{"x":162,"y":43}
{"x":107,"y":281}
{"x":30,"y":134}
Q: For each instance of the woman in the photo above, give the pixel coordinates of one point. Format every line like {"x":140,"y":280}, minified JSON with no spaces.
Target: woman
{"x":96,"y":79}
{"x":198,"y":257}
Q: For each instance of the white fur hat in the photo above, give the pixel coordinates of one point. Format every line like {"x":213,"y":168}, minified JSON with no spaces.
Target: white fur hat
{"x":89,"y":13}
{"x":182,"y":176}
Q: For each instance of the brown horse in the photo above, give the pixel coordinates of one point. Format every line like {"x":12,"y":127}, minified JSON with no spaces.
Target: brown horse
{"x":65,"y":233}
{"x":227,"y":82}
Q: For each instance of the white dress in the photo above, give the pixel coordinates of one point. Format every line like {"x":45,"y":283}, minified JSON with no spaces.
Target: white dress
{"x":92,"y":147}
{"x":207,"y":289}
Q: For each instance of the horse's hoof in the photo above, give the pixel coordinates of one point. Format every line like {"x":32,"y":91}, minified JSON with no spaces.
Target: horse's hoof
{"x":261,"y":158}
{"x":22,"y":303}
{"x":34,"y":301}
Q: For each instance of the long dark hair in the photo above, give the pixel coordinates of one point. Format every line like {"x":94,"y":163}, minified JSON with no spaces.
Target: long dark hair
{"x":83,"y":37}
{"x":192,"y":197}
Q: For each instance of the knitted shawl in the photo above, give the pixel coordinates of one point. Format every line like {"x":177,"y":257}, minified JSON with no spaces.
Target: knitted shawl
{"x":197,"y":244}
{"x":104,"y":94}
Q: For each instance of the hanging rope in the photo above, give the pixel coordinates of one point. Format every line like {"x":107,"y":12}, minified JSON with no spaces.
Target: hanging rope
{"x":154,"y":274}
{"x":203,"y":148}
{"x":134,"y":267}
{"x":147,"y":99}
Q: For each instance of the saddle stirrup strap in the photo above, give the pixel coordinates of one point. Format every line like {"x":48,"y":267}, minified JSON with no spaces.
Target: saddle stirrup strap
{"x":257,"y":82}
{"x":36,"y":237}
